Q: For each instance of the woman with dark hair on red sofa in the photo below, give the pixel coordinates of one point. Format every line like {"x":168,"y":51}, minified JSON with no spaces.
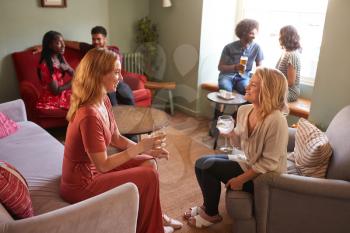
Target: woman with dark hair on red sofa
{"x":54,"y":73}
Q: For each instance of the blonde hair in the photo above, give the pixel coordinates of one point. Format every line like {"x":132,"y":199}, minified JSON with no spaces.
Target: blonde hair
{"x":87,"y":87}
{"x":273,"y":91}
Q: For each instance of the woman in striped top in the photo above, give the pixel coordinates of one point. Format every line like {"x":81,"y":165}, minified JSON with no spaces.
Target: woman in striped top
{"x":289,"y":62}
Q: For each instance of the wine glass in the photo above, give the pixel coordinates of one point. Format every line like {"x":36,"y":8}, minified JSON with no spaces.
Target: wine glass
{"x":225,"y":125}
{"x":158,"y":150}
{"x":159,"y":131}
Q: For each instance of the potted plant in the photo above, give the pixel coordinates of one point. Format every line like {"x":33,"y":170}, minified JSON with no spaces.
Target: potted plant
{"x":147,"y":42}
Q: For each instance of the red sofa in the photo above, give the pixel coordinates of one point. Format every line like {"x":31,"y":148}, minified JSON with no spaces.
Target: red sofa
{"x":30,"y":89}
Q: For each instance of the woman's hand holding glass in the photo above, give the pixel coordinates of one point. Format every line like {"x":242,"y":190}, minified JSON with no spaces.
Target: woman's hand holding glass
{"x":147,"y":144}
{"x":159,"y":153}
{"x":158,"y":150}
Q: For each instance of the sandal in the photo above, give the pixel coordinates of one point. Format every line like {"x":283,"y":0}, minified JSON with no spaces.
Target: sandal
{"x":200,"y":222}
{"x":168,"y":229}
{"x":193,"y":211}
{"x":167,"y":221}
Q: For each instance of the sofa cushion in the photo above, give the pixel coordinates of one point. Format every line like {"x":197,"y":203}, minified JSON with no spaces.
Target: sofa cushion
{"x":7,"y":126}
{"x":38,"y":156}
{"x":141,"y":94}
{"x":291,"y":167}
{"x":312,"y":150}
{"x":14,"y":193}
{"x":133,"y":80}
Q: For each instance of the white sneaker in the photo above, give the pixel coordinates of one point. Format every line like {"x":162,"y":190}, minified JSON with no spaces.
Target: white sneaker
{"x":168,"y":229}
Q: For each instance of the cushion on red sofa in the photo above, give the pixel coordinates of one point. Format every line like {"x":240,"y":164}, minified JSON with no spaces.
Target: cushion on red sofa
{"x":133,"y":80}
{"x":141,"y":94}
{"x":7,"y":126}
{"x":14,"y":193}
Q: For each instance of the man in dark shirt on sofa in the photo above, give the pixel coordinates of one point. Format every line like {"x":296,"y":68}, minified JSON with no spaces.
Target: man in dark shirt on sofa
{"x":123,"y":94}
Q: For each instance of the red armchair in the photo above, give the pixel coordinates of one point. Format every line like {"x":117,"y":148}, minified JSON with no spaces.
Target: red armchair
{"x":30,"y":89}
{"x":143,"y":96}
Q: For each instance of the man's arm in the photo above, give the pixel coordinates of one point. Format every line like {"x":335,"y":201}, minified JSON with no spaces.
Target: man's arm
{"x":69,"y":43}
{"x":225,"y":60}
{"x":72,"y":44}
{"x":259,"y":58}
{"x":222,"y":67}
{"x":35,"y":49}
{"x":258,"y":63}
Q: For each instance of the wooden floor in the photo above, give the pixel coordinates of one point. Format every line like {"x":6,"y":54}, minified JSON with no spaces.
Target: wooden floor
{"x":187,"y":140}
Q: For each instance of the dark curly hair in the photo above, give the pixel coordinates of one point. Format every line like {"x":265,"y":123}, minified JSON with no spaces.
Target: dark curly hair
{"x":289,"y":38}
{"x":245,"y":26}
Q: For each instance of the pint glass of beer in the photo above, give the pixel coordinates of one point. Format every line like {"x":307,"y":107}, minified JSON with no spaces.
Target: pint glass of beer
{"x":243,"y":61}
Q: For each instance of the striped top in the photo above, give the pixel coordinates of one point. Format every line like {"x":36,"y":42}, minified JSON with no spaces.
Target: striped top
{"x":293,"y":58}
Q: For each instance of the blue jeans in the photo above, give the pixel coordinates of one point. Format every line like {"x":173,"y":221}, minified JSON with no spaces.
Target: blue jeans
{"x":233,"y":81}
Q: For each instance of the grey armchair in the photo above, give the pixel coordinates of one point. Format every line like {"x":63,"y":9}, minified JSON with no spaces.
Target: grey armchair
{"x":296,"y":204}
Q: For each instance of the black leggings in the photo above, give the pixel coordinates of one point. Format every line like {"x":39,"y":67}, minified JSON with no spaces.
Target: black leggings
{"x":211,"y":171}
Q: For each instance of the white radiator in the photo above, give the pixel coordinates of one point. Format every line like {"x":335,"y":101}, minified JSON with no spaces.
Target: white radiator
{"x":133,"y":62}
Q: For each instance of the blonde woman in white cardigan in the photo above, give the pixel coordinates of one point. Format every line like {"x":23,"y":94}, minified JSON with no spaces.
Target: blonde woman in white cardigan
{"x":261,"y":133}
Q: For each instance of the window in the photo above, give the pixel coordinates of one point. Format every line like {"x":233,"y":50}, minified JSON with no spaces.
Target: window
{"x":306,"y":15}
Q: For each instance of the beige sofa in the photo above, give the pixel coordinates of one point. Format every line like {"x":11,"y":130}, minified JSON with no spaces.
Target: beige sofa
{"x":290,"y":203}
{"x":38,"y":157}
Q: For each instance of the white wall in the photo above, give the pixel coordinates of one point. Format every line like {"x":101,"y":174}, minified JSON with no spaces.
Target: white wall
{"x":179,"y":35}
{"x":332,"y":85}
{"x":123,"y":15}
{"x":216,"y":32}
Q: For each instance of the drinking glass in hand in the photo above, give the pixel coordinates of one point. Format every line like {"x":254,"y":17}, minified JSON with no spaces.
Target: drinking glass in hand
{"x":243,"y":61}
{"x":159,"y":150}
{"x":159,"y":132}
{"x":225,"y":125}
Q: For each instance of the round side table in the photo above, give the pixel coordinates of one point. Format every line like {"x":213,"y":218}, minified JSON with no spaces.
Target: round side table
{"x":139,"y":120}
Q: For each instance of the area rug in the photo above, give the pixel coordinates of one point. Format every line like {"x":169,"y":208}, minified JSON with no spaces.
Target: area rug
{"x":178,"y":185}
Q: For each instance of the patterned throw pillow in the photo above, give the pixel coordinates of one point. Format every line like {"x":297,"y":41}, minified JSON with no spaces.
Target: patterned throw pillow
{"x":312,"y":150}
{"x":14,"y":193}
{"x":7,"y":126}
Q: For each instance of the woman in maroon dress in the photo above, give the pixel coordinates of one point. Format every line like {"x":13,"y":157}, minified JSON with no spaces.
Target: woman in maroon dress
{"x":54,"y":73}
{"x":87,"y":170}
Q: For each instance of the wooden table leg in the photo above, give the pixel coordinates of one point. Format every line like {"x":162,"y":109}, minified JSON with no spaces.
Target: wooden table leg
{"x":169,"y":86}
